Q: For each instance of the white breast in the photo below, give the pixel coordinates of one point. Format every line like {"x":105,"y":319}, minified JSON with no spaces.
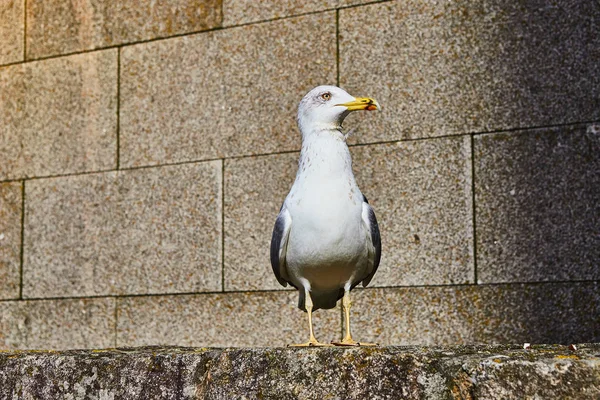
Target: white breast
{"x":327,"y":244}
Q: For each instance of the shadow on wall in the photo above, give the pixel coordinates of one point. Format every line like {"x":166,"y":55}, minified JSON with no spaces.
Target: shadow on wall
{"x":561,"y":313}
{"x":543,"y":63}
{"x":537,"y":192}
{"x":538,"y":205}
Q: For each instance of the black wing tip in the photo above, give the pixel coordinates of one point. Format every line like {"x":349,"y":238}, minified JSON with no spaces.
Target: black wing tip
{"x":282,"y":282}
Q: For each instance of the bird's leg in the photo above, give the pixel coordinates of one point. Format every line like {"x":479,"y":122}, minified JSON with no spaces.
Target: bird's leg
{"x":312,"y":341}
{"x":347,"y":340}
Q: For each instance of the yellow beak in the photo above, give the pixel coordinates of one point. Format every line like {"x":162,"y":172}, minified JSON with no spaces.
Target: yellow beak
{"x":362,"y":103}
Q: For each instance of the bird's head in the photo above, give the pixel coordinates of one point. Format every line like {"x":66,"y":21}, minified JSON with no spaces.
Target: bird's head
{"x":325,"y":107}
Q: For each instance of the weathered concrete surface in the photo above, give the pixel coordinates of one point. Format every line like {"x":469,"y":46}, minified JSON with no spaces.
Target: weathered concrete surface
{"x":486,"y":372}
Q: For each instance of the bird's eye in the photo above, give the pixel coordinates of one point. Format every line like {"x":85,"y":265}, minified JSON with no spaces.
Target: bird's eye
{"x":326,"y":96}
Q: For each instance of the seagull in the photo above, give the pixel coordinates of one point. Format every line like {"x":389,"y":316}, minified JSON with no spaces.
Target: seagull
{"x":326,"y":238}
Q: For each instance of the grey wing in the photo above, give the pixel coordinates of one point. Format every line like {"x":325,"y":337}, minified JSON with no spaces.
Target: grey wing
{"x":373,"y":240}
{"x":279,"y":240}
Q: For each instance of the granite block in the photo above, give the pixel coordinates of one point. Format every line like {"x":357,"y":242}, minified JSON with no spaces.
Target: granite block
{"x":562,"y":313}
{"x":420,"y":315}
{"x":422,"y":197}
{"x":451,"y":67}
{"x":58,"y":116}
{"x":245,"y":11}
{"x":221,"y":320}
{"x":254,"y":191}
{"x":63,"y":26}
{"x":57,"y":324}
{"x":10,"y":239}
{"x":12,"y":31}
{"x":222,"y":93}
{"x":154,"y":230}
{"x":537,"y":197}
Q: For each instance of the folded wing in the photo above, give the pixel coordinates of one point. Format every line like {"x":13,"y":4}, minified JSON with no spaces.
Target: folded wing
{"x":279,"y":241}
{"x":373,"y":240}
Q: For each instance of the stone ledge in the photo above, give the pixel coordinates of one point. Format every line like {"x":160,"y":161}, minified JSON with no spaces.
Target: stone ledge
{"x":465,"y":372}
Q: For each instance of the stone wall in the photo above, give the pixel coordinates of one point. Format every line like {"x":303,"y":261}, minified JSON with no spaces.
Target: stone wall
{"x":432,"y":373}
{"x":145,"y":150}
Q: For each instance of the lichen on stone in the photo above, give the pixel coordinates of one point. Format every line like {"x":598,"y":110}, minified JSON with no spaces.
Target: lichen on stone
{"x":461,"y":372}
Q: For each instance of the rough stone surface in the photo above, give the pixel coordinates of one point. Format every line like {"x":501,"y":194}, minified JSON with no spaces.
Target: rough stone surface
{"x":10,"y":238}
{"x":246,"y":11}
{"x":59,"y":116}
{"x":154,"y":230}
{"x":12,"y":31}
{"x":222,"y":93}
{"x":449,"y":67}
{"x":63,"y":26}
{"x":510,"y":313}
{"x":254,"y":191}
{"x":421,"y":193}
{"x":538,"y":204}
{"x":358,"y":373}
{"x":56,"y":324}
{"x":222,"y":320}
